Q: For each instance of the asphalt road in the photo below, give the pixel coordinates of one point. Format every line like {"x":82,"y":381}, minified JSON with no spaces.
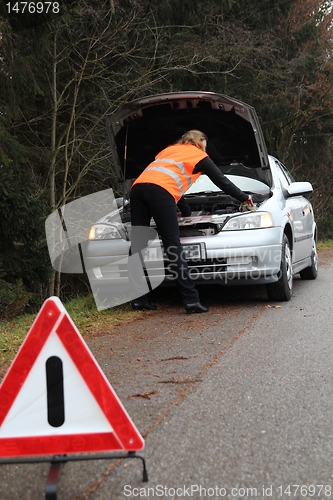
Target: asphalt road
{"x":236,"y":403}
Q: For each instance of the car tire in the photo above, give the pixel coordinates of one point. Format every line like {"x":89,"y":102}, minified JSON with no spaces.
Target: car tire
{"x":311,"y":272}
{"x":281,"y":290}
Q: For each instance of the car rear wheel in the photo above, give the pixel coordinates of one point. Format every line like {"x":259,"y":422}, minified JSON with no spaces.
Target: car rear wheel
{"x":282,"y":289}
{"x":311,"y":272}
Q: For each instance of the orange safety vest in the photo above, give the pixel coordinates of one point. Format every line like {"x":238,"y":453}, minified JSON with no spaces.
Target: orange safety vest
{"x":172,"y":169}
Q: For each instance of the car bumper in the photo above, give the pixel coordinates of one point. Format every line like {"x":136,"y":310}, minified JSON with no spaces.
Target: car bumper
{"x":248,"y":257}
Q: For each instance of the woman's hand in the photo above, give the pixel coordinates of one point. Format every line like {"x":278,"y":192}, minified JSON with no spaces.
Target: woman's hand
{"x":250,"y":201}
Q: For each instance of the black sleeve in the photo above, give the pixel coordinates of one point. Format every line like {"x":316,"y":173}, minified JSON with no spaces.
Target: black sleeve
{"x":184,"y":207}
{"x":208,"y":167}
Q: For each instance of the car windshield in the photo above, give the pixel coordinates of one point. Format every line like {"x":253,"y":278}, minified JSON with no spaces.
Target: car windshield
{"x":204,"y":184}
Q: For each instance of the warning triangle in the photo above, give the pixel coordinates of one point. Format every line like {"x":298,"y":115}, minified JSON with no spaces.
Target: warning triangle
{"x":55,"y":399}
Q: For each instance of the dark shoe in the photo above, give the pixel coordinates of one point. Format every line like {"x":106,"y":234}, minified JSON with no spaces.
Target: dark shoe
{"x":140,"y":305}
{"x":196,"y":308}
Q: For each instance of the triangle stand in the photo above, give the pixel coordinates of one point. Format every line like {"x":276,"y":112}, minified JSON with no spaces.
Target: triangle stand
{"x":58,"y":460}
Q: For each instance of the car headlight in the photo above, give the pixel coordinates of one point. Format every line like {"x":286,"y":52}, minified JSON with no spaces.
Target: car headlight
{"x":252,"y":220}
{"x":107,"y":232}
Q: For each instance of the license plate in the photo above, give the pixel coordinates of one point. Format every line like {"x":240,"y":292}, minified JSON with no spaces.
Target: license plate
{"x":192,"y":252}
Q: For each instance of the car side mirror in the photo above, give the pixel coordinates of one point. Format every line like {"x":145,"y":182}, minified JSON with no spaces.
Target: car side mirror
{"x":299,"y":189}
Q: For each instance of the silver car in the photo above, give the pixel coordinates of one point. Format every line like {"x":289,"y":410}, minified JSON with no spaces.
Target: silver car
{"x":224,"y":241}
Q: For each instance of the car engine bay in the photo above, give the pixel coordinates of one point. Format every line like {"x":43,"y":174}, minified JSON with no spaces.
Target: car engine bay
{"x":210,"y":212}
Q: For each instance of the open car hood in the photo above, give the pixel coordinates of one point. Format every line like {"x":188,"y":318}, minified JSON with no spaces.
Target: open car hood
{"x":142,"y":128}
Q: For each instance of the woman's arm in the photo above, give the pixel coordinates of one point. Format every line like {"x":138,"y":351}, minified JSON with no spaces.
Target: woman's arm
{"x":208,"y":167}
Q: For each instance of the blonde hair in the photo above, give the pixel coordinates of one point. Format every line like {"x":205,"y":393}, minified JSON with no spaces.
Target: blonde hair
{"x":194,"y":137}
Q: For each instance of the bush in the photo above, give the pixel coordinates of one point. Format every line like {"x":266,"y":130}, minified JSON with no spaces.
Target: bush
{"x":14,"y":299}
{"x":325,"y":228}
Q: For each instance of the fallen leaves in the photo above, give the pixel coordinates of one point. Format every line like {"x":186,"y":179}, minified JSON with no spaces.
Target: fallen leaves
{"x":175,"y":380}
{"x":174,"y":358}
{"x":144,"y":395}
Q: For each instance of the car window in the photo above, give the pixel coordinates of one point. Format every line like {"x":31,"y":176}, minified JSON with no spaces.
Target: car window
{"x":285,"y":176}
{"x":203,"y":183}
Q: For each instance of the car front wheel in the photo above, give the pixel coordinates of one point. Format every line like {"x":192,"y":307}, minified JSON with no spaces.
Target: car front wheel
{"x":282,"y":289}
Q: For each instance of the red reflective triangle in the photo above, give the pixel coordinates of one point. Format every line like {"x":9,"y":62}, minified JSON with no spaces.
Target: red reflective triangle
{"x":53,"y":333}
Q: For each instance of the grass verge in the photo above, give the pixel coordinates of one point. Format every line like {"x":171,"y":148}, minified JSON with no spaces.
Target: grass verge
{"x":82,"y":311}
{"x":324,"y":245}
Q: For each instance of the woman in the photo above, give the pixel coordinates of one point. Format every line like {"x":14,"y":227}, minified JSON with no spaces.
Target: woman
{"x":156,"y":192}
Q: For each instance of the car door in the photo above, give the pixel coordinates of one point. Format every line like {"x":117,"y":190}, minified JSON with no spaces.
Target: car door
{"x":301,"y":217}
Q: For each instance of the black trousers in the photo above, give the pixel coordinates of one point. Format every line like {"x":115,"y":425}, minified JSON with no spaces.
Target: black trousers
{"x":151,"y":200}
